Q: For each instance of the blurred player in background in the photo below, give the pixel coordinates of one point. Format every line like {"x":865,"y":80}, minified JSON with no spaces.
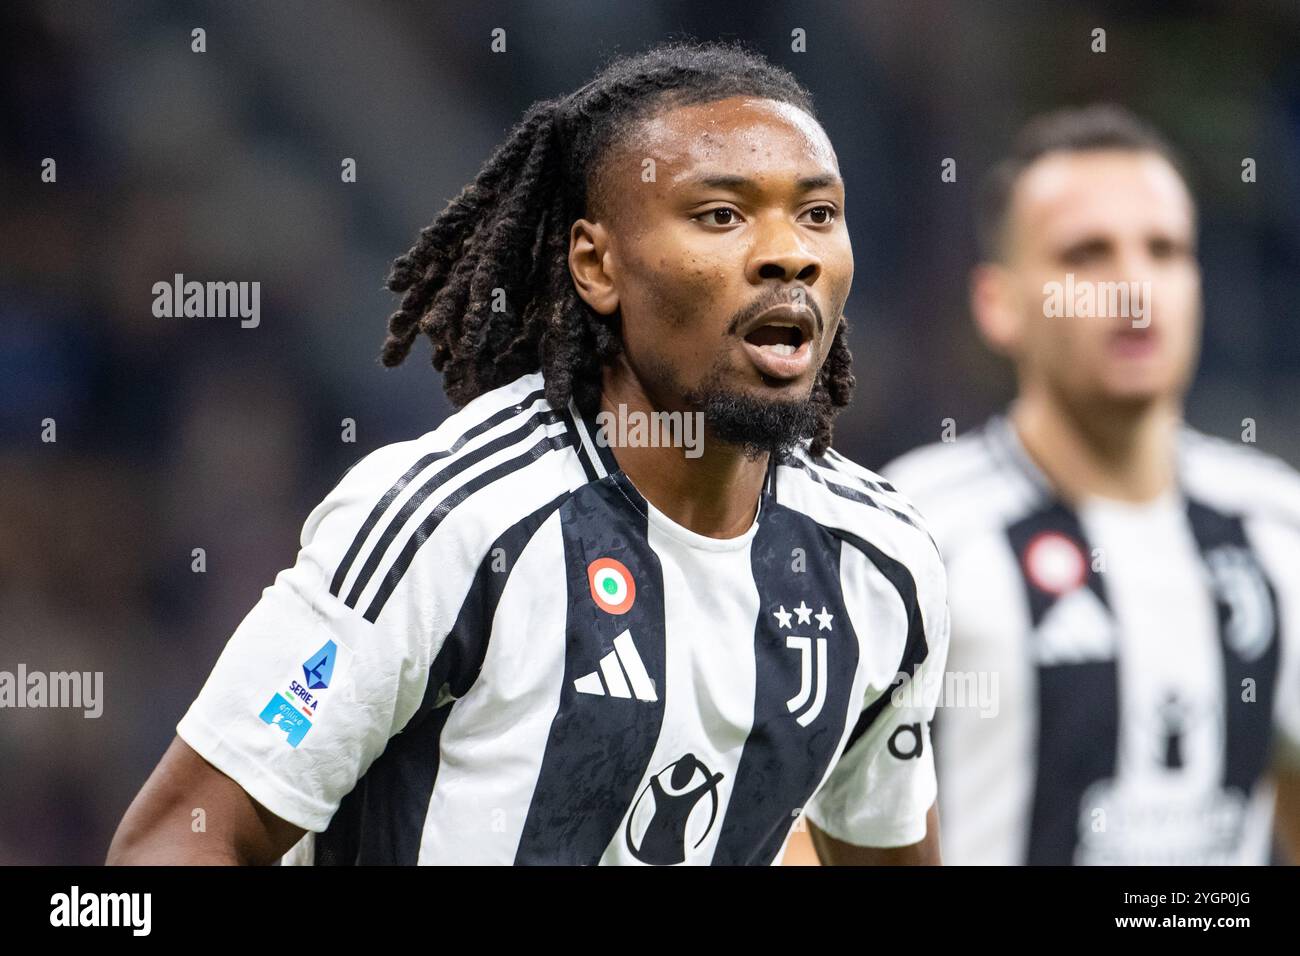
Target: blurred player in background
{"x":1132,"y":585}
{"x":522,"y":638}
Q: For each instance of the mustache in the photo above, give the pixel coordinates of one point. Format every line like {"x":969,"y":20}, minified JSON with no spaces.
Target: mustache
{"x":765,"y":302}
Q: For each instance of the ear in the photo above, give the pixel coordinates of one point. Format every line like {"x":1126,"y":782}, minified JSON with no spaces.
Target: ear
{"x":590,"y":264}
{"x":994,"y":306}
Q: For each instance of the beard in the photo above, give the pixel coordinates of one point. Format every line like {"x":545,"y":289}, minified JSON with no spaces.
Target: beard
{"x":757,"y":426}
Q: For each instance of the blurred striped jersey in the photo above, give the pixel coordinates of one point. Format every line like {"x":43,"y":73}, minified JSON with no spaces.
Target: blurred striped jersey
{"x":1145,"y":655}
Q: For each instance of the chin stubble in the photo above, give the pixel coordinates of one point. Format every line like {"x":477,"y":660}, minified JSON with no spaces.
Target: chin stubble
{"x":755,"y":425}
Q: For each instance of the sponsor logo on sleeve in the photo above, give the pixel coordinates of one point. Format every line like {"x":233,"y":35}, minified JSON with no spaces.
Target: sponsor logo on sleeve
{"x":282,"y":715}
{"x":290,"y":710}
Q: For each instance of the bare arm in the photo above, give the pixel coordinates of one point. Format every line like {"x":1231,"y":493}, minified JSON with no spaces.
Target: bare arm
{"x":1286,"y":820}
{"x":838,"y":853}
{"x":158,"y":826}
{"x":799,"y":849}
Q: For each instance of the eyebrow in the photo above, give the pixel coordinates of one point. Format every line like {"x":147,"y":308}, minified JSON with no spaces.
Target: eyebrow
{"x":741,"y":183}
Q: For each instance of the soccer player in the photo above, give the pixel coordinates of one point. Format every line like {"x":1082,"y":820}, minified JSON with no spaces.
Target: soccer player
{"x":531,"y":637}
{"x":1131,"y":584}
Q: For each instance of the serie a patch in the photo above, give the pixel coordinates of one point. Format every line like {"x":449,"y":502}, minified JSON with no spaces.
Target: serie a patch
{"x":295,"y":705}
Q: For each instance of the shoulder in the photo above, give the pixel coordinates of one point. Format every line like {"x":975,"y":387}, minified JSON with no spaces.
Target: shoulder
{"x":1239,"y":479}
{"x":498,"y":435}
{"x":428,"y":510}
{"x":833,"y":486}
{"x":864,"y":510}
{"x":974,"y":485}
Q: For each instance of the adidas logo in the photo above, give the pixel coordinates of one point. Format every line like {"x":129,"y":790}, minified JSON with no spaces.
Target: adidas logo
{"x":636,"y":682}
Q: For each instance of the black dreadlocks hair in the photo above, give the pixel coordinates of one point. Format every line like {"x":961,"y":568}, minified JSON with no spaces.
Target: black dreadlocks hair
{"x":509,"y":230}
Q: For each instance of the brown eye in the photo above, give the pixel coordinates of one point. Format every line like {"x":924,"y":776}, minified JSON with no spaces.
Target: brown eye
{"x":1162,"y":248}
{"x":730,"y":216}
{"x":1086,"y":253}
{"x":822,"y":215}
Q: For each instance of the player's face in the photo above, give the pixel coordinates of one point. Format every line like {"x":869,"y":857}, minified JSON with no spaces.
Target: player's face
{"x":1092,"y":221}
{"x":721,"y":211}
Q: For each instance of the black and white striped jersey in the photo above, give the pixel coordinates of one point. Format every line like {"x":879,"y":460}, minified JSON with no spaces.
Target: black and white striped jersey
{"x":493,"y":649}
{"x":1142,"y":658}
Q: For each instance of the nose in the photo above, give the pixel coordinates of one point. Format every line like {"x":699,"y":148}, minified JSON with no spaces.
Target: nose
{"x":1132,"y":263}
{"x":780,"y":253}
{"x":1135,"y":266}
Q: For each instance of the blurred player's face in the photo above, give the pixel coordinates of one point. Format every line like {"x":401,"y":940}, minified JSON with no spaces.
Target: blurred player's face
{"x":727,"y":258}
{"x":1079,"y":225}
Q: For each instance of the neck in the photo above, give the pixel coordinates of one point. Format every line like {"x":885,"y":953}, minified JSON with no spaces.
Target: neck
{"x":1127,"y":453}
{"x":715,"y":494}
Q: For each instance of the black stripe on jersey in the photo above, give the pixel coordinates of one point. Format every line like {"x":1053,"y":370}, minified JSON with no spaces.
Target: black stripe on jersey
{"x":1249,"y":722}
{"x":1077,"y":701}
{"x":382,"y":820}
{"x":915,"y":650}
{"x":584,"y":456}
{"x":461,"y":657}
{"x":599,"y":745}
{"x":591,"y":433}
{"x":844,"y":491}
{"x":834,"y":461}
{"x":766,"y":794}
{"x":392,"y":493}
{"x":340,"y":842}
{"x":878,"y":487}
{"x":384,"y":823}
{"x":447,"y":505}
{"x":443,"y":475}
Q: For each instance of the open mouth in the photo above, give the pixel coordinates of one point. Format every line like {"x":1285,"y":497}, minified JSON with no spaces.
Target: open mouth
{"x":1134,"y":342}
{"x":779,"y":344}
{"x":780,"y":338}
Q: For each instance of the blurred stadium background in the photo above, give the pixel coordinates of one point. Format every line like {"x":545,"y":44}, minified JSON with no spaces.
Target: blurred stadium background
{"x":182,"y":433}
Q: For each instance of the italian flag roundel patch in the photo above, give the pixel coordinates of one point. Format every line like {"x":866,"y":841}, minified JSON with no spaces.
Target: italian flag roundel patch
{"x":612,"y":587}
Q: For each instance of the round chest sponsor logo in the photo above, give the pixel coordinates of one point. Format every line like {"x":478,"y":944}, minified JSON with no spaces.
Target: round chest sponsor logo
{"x":669,"y":815}
{"x":1055,"y":563}
{"x":612,"y":587}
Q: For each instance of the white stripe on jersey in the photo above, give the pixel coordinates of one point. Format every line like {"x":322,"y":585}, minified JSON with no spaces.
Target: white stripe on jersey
{"x":710,"y":645}
{"x":1235,"y":478}
{"x":587,"y":439}
{"x":626,"y":654}
{"x":986,"y":771}
{"x":477,"y":818}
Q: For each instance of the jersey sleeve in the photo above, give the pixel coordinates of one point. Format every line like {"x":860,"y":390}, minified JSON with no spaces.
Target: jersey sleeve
{"x":308,"y":690}
{"x":880,"y":791}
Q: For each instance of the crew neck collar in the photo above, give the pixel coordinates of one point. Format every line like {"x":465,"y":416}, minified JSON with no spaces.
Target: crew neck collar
{"x":702,"y":542}
{"x":601,"y":465}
